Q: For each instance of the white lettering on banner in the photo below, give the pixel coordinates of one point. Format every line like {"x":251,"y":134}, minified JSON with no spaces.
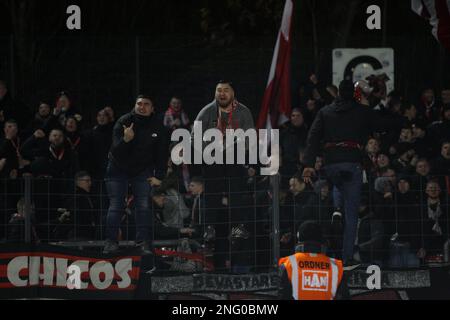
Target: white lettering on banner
{"x":123,"y":267}
{"x":315,"y":280}
{"x":68,"y":276}
{"x":35,"y":272}
{"x":99,"y":268}
{"x":13,"y":271}
{"x":61,"y":272}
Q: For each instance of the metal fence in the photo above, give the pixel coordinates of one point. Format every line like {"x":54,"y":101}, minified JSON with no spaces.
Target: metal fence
{"x":242,"y":230}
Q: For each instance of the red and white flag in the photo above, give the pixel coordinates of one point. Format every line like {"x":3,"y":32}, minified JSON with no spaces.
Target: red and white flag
{"x":438,"y":13}
{"x":276,"y":105}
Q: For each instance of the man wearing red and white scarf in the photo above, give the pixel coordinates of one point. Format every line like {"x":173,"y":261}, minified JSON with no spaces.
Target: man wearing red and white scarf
{"x":225,"y":183}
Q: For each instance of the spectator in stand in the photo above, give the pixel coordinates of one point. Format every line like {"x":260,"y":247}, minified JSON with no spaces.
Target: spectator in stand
{"x":393,"y":111}
{"x":310,"y":112}
{"x":78,"y":142}
{"x":371,"y":236}
{"x":421,"y":176}
{"x":292,"y":211}
{"x":51,"y":158}
{"x":175,"y":117}
{"x":407,"y":159}
{"x":9,"y":150}
{"x":319,"y":206}
{"x":16,"y":225}
{"x":53,"y":166}
{"x":167,"y":208}
{"x":370,"y":161}
{"x":64,"y":109}
{"x":404,"y":233}
{"x":139,"y":151}
{"x":79,"y":218}
{"x":441,"y":167}
{"x":292,"y":141}
{"x":434,"y":222}
{"x":175,"y":210}
{"x":383,"y":163}
{"x":41,"y":119}
{"x":439,"y":131}
{"x":99,"y":142}
{"x":410,"y":113}
{"x":428,"y":108}
{"x":421,"y":141}
{"x":110,"y":113}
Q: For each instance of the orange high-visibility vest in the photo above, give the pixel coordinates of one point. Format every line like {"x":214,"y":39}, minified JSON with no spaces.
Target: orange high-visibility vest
{"x":313,"y":276}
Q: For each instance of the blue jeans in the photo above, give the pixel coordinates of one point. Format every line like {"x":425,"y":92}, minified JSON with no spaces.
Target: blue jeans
{"x":347,"y":180}
{"x":117,"y":183}
{"x":401,"y":256}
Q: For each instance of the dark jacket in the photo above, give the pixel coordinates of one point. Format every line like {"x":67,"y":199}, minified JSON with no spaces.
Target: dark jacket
{"x":59,"y":164}
{"x":78,"y":142}
{"x":292,"y":140}
{"x":440,"y":168}
{"x":432,"y":241}
{"x":293,"y":211}
{"x":438,"y":133}
{"x":84,"y":217}
{"x":149,"y":150}
{"x":339,"y":122}
{"x":408,"y":226}
{"x":37,"y":123}
{"x":99,"y":141}
{"x":8,"y":151}
{"x":371,"y":238}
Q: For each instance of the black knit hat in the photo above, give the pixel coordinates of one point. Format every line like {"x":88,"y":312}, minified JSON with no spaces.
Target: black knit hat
{"x":346,"y":89}
{"x":310,"y":231}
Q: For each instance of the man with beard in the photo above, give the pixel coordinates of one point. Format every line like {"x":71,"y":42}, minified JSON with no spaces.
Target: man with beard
{"x":224,"y":183}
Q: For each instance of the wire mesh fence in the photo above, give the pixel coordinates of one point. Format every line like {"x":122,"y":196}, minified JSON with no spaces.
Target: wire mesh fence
{"x":243,"y":229}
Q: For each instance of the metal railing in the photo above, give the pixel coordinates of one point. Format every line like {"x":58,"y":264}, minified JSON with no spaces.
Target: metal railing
{"x":243,"y":230}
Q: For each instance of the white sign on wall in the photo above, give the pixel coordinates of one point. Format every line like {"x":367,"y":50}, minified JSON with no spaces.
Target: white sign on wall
{"x":358,"y":64}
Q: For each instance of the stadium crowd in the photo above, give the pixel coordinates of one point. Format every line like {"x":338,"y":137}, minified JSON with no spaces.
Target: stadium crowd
{"x":403,"y":215}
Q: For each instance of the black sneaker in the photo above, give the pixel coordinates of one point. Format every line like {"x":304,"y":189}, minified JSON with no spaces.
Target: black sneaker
{"x":145,"y":247}
{"x":111,"y":247}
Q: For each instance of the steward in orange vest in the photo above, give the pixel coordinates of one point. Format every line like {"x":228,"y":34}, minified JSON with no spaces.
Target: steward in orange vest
{"x":309,"y":274}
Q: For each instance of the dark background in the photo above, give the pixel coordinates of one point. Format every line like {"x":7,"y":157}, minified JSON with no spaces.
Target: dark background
{"x":182,"y":48}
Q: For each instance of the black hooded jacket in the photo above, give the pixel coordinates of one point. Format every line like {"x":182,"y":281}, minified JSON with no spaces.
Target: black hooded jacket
{"x":148,"y":150}
{"x":343,"y":121}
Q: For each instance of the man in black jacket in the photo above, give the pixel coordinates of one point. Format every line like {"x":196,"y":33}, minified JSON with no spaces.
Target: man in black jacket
{"x":79,"y":219}
{"x":139,"y":151}
{"x":342,"y":128}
